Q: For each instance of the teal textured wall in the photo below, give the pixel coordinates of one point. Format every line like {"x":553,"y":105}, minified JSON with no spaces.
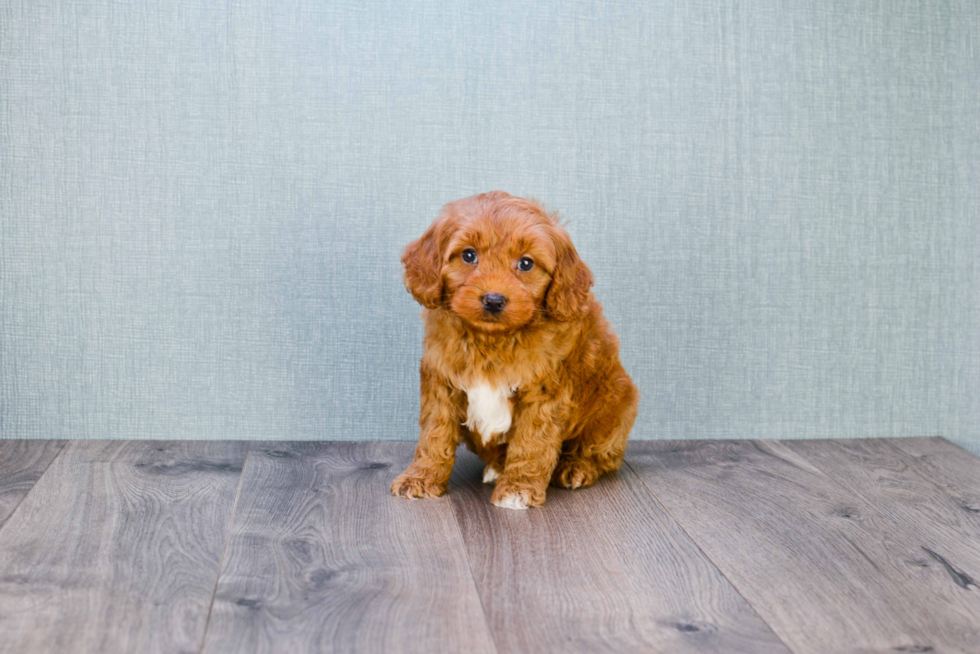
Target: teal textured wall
{"x":203,"y":206}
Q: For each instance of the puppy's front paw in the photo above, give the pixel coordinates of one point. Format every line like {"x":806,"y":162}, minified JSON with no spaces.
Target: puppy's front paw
{"x":516,"y":501}
{"x":411,"y":486}
{"x":513,"y":496}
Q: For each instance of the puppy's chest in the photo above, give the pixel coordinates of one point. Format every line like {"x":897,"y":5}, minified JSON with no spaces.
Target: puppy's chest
{"x":489,"y":409}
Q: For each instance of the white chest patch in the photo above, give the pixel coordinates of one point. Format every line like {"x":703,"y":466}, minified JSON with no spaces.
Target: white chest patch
{"x":488,"y":412}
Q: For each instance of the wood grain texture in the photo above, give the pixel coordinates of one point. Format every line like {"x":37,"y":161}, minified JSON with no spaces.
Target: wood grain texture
{"x":823,"y":566}
{"x":322,"y":559}
{"x":950,"y":467}
{"x":901,"y":487}
{"x":22,"y":462}
{"x":600,"y":569}
{"x":117,"y":548}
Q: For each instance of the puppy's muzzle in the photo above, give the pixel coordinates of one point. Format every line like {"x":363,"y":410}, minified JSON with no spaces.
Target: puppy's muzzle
{"x":493,"y":303}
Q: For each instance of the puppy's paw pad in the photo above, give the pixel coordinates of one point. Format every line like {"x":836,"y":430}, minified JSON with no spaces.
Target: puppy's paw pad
{"x":515,"y":501}
{"x":490,"y":475}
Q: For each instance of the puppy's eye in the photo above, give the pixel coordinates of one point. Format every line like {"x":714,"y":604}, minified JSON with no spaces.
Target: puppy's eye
{"x":525,"y":264}
{"x":469,"y":255}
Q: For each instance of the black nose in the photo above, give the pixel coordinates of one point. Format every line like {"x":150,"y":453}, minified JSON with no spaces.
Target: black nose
{"x":494,"y":303}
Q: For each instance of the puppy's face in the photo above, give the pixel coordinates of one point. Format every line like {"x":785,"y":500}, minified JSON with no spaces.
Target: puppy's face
{"x":497,"y":272}
{"x":498,"y":262}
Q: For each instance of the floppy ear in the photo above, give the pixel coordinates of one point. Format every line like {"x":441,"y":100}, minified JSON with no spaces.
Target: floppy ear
{"x":571,"y":280}
{"x":423,"y":265}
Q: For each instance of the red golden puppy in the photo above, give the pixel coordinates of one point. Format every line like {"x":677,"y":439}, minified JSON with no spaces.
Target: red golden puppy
{"x":519,"y":363}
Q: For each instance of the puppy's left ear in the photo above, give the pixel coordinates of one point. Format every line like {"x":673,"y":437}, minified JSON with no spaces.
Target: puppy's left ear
{"x":423,"y":265}
{"x":568,"y":295}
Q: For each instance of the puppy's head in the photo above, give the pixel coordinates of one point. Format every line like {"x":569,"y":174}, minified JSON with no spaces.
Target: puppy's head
{"x":498,"y":262}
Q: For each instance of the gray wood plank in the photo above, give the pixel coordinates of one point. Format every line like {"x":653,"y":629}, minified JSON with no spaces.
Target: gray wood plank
{"x":22,"y":462}
{"x":949,"y":466}
{"x":896,"y":484}
{"x":600,"y":569}
{"x":322,"y":559}
{"x":117,"y":548}
{"x":824,"y":567}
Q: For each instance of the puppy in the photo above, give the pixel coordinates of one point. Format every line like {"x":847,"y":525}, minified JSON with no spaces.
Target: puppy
{"x":519,"y":362}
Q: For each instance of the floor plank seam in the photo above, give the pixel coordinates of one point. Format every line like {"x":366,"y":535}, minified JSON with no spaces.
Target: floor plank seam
{"x":469,"y":566}
{"x":33,"y":486}
{"x":708,"y":558}
{"x":224,"y":551}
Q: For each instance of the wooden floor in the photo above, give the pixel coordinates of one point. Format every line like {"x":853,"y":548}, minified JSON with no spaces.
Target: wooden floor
{"x":722,"y":546}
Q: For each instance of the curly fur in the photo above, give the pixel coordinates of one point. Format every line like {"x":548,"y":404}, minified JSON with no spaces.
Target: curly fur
{"x":549,"y":357}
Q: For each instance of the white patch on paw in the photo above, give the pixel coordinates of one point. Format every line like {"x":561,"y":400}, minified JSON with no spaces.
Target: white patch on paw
{"x":490,"y":475}
{"x":488,"y":410}
{"x":515,"y":501}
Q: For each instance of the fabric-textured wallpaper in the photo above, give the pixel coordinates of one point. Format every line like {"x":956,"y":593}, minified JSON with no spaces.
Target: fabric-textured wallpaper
{"x":203,"y":206}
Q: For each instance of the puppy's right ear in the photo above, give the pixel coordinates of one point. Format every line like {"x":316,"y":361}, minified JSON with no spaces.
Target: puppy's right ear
{"x":423,"y":265}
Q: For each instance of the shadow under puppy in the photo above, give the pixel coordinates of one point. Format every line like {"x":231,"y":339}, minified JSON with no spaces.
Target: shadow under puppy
{"x":519,"y":362}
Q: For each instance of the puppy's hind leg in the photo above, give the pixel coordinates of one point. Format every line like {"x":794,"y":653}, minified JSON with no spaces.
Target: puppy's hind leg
{"x":574,"y":471}
{"x":600,"y":447}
